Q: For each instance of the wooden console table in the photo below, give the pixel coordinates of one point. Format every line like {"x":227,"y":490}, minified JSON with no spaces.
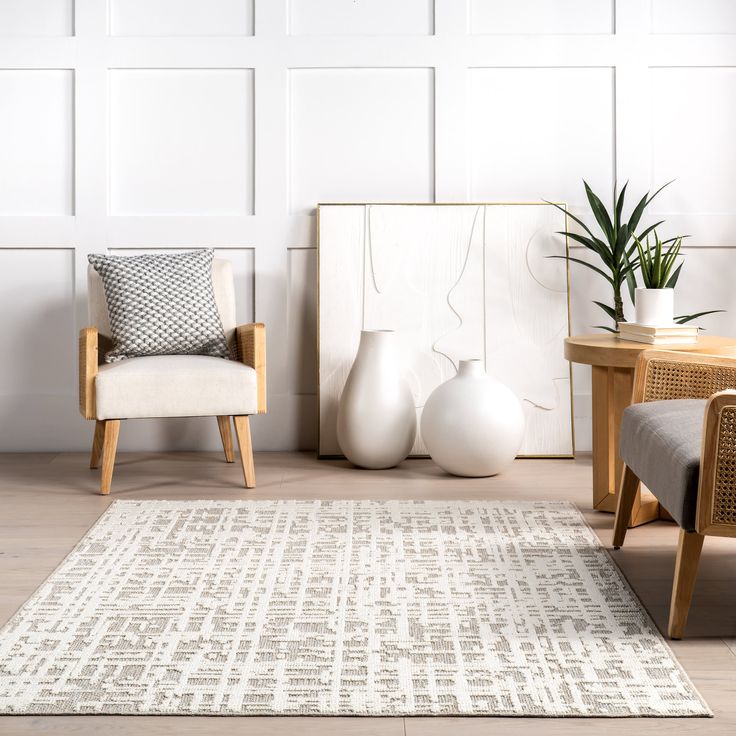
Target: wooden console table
{"x":613,"y":362}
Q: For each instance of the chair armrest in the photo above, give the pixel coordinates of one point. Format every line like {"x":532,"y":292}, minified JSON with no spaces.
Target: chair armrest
{"x":717,"y":489}
{"x":88,"y":362}
{"x":662,"y":374}
{"x":251,"y":344}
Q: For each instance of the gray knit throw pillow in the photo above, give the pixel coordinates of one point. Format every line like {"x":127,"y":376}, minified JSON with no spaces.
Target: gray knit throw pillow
{"x":161,"y":304}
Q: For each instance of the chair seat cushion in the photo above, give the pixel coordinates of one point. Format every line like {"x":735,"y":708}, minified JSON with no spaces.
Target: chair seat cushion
{"x":175,"y":386}
{"x":660,"y":441}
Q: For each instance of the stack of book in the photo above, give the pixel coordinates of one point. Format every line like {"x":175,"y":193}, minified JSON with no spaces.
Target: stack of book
{"x":670,"y":335}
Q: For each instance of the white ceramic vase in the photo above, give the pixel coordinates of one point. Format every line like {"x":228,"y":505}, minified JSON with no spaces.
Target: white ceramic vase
{"x":655,"y":307}
{"x":473,"y":425}
{"x":376,"y":418}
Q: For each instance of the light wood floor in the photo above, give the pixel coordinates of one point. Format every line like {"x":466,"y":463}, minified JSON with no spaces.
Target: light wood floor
{"x":47,"y":503}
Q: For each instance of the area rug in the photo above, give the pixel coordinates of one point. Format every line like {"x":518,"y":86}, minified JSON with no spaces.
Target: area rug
{"x":392,"y":608}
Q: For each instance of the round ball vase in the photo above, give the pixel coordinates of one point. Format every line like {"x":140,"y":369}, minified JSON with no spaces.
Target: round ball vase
{"x":655,"y":307}
{"x":376,"y":418}
{"x":473,"y":425}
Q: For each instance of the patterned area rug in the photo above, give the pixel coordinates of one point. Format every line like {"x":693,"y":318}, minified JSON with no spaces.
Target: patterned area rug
{"x":339,"y":607}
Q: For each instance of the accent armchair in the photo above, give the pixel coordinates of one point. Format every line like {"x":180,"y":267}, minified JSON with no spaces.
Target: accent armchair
{"x":172,"y":385}
{"x":679,"y":438}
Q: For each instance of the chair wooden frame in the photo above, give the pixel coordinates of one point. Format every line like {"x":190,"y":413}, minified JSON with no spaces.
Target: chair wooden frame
{"x":250,"y":342}
{"x":662,"y":375}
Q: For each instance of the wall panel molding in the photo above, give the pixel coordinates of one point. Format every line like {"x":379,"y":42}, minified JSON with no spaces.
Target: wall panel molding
{"x":37,"y":142}
{"x":28,"y":18}
{"x":377,"y":124}
{"x":693,"y":16}
{"x":187,"y":18}
{"x":367,"y":102}
{"x":181,"y":141}
{"x":541,"y":16}
{"x":374,"y":18}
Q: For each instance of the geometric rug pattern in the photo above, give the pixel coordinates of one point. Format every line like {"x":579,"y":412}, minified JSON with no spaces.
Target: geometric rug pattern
{"x":387,"y":608}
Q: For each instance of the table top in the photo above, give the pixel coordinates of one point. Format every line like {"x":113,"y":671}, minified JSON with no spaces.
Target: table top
{"x":607,"y":350}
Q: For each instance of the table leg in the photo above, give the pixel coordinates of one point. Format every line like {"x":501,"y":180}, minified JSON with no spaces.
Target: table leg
{"x":611,"y":395}
{"x":603,"y":455}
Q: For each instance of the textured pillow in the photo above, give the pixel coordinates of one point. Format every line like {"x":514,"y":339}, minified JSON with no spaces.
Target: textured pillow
{"x":161,"y":304}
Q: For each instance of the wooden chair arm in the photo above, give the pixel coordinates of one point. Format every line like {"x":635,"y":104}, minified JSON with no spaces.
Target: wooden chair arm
{"x":717,"y":489}
{"x":662,"y":374}
{"x":251,"y":345}
{"x":88,"y":362}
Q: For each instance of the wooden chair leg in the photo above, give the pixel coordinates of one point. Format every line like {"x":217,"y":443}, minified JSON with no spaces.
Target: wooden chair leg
{"x":242,"y":430}
{"x":223,"y":424}
{"x":626,"y":498}
{"x":97,"y":442}
{"x":111,"y":433}
{"x":686,"y":570}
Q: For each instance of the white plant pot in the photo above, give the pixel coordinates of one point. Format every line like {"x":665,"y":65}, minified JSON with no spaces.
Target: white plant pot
{"x":376,"y":417}
{"x":655,"y":307}
{"x":473,"y":425}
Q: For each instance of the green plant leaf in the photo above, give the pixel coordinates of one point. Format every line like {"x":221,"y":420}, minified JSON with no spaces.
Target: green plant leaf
{"x":630,"y":273}
{"x":631,"y":285}
{"x":622,"y":238}
{"x":600,"y":213}
{"x":610,"y":311}
{"x":643,"y":202}
{"x":684,"y":318}
{"x":589,"y":265}
{"x":672,"y":282}
{"x":645,"y":264}
{"x":659,"y":190}
{"x":648,"y":230}
{"x":620,"y":206}
{"x":638,"y":212}
{"x":677,"y":237}
{"x":669,"y":261}
{"x":597,"y":246}
{"x":657,"y":263}
{"x":571,"y":216}
{"x":630,"y":269}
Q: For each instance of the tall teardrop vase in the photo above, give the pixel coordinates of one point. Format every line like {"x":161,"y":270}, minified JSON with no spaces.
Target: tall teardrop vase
{"x":376,"y":418}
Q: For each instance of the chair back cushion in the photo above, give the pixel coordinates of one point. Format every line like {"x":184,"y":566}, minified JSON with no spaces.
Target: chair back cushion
{"x":205,"y":322}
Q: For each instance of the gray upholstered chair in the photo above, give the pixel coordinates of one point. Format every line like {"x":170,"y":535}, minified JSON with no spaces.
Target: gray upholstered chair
{"x":679,"y":438}
{"x":172,"y":385}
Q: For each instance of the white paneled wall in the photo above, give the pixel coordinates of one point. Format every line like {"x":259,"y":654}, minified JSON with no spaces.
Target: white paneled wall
{"x":375,"y":143}
{"x":515,"y":104}
{"x":139,"y":125}
{"x":374,"y":18}
{"x":693,"y":16}
{"x":180,"y":18}
{"x":541,"y":16}
{"x":181,"y":141}
{"x":36,"y":154}
{"x":36,"y":17}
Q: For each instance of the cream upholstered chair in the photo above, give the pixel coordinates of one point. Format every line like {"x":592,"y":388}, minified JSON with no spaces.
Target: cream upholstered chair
{"x":172,"y":385}
{"x":679,"y":438}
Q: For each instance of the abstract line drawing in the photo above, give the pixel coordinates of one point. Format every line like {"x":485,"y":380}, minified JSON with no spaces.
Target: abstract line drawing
{"x":456,"y":282}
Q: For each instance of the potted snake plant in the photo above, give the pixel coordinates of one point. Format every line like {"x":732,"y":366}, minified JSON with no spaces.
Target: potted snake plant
{"x":654,"y":302}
